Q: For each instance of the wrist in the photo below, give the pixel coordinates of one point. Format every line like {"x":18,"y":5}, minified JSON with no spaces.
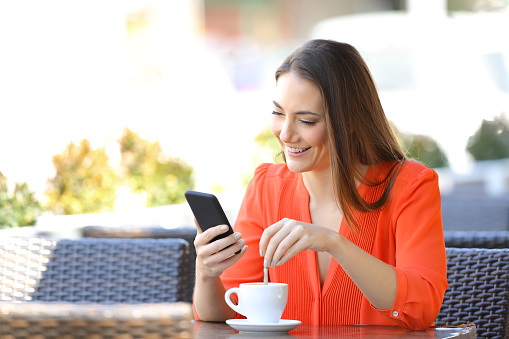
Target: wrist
{"x":203,"y":274}
{"x":337,"y":244}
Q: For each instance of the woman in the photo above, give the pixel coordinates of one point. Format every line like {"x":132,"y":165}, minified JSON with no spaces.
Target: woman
{"x":348,"y":222}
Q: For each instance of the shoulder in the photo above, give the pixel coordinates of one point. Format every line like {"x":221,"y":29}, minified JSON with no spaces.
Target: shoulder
{"x":272,"y":179}
{"x":412,"y":171}
{"x":415,"y":178}
{"x":410,"y":176}
{"x":406,"y":172}
{"x":267,"y":183}
{"x":273,"y":172}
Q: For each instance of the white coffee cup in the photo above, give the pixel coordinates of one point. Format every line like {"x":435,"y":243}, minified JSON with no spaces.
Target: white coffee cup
{"x":259,"y":303}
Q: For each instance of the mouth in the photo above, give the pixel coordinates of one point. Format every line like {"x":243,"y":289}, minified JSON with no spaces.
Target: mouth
{"x":296,"y":151}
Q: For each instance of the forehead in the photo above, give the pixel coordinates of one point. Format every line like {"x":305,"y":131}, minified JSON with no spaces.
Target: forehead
{"x":296,"y":92}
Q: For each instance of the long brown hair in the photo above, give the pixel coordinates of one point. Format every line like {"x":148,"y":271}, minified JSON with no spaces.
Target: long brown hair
{"x":358,"y":130}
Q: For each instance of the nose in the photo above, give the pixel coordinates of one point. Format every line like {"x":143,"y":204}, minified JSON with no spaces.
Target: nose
{"x":288,"y":133}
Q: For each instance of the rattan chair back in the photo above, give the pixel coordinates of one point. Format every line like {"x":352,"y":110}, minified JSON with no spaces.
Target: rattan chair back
{"x":477,"y":239}
{"x":187,"y":233}
{"x":92,"y":270}
{"x":478,"y":291}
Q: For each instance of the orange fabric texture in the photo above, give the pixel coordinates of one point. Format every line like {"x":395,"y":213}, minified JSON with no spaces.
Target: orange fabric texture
{"x":406,"y":234}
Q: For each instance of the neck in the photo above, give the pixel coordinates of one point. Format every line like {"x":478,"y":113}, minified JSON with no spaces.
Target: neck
{"x":319,"y":185}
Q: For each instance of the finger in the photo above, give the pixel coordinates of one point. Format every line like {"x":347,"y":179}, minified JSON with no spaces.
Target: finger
{"x":207,"y":248}
{"x":299,"y":245}
{"x":274,"y":242}
{"x":225,"y":254}
{"x":205,"y":237}
{"x":268,"y":234}
{"x":197,"y":226}
{"x":289,"y":246}
{"x":216,"y":269}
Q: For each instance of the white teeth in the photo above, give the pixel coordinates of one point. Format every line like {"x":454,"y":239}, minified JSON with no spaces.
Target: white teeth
{"x":296,"y":150}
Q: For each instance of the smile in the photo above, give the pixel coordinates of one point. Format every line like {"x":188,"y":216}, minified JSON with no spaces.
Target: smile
{"x":296,"y":151}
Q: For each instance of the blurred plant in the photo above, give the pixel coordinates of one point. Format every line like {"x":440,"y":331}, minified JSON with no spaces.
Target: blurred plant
{"x":146,"y":169}
{"x":84,"y":181}
{"x":491,"y":140}
{"x":422,"y":148}
{"x":267,"y":149}
{"x":19,"y":208}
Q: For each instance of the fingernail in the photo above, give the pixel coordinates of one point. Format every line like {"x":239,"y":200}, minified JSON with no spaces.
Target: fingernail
{"x":261,"y":252}
{"x":237,"y":236}
{"x":244,"y":248}
{"x":224,"y":228}
{"x":265,"y":263}
{"x":272,"y":263}
{"x":241,"y":243}
{"x":280,"y":262}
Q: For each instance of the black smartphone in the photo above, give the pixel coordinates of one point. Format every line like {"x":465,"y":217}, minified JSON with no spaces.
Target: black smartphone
{"x":208,"y":212}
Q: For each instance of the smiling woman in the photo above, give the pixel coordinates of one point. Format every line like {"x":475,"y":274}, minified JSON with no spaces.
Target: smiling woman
{"x":352,"y":226}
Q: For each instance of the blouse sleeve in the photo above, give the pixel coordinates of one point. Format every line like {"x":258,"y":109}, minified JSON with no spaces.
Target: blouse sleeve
{"x":421,"y":264}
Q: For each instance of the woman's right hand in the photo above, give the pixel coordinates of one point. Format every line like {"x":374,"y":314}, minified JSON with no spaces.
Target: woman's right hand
{"x":213,"y":258}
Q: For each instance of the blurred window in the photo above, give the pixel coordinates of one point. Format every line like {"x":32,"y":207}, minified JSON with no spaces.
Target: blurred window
{"x":393,"y":70}
{"x":497,"y":68}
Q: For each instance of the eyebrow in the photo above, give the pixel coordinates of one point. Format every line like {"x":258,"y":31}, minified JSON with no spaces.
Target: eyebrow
{"x":298,"y":112}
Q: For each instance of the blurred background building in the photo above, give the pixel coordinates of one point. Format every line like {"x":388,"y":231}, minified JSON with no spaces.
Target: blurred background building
{"x":195,"y":77}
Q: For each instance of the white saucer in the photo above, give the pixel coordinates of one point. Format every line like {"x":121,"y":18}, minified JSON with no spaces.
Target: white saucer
{"x":244,"y":326}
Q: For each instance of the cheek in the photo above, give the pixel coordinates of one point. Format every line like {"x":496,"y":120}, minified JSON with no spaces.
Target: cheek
{"x":317,"y":137}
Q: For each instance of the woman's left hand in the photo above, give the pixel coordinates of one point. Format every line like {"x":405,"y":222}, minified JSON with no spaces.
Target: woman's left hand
{"x":284,"y":239}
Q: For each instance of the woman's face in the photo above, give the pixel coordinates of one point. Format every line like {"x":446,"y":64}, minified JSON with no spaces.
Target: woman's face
{"x":298,"y":123}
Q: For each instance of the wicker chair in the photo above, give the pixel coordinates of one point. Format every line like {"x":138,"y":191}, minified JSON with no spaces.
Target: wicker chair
{"x":186,"y":233}
{"x":477,"y":239}
{"x":82,"y":287}
{"x":93,"y":270}
{"x":478,"y":291}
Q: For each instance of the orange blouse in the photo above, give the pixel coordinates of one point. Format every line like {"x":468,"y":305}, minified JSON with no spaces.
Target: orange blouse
{"x":406,"y":234}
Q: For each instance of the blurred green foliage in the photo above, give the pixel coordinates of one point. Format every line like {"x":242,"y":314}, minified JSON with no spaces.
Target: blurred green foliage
{"x":268,"y":148}
{"x":491,"y":140}
{"x":84,"y":181}
{"x":424,"y":149}
{"x":421,"y":148}
{"x":147,"y":169}
{"x":19,"y":207}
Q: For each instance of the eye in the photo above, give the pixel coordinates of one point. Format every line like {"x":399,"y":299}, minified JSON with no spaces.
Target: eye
{"x":276,"y":113}
{"x":308,"y":123}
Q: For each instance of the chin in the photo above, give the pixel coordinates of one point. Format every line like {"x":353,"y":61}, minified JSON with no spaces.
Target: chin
{"x":296,"y":168}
